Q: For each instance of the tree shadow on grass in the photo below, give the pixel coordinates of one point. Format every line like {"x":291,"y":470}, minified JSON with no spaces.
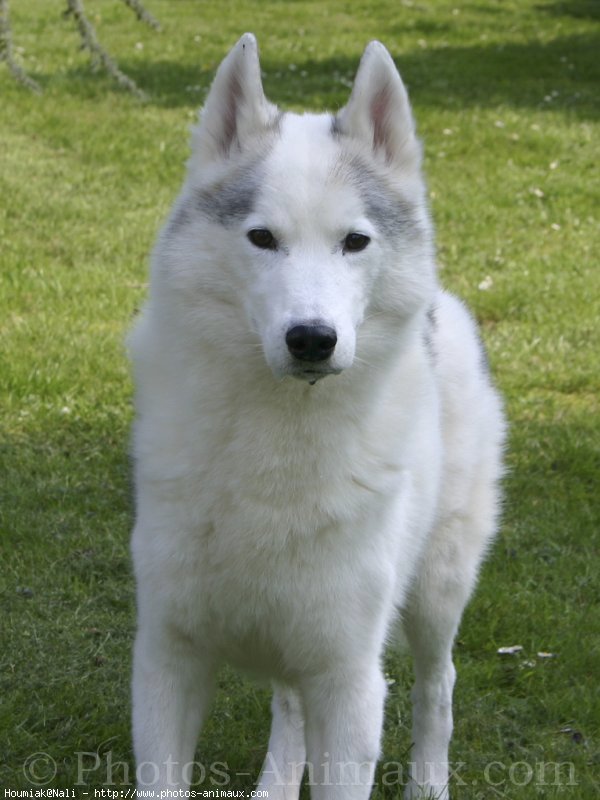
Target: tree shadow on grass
{"x":517,"y":75}
{"x":580,"y":9}
{"x":560,"y":75}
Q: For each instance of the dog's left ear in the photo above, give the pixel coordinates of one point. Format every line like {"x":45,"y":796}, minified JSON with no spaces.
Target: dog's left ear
{"x":378,"y":112}
{"x":236,"y":108}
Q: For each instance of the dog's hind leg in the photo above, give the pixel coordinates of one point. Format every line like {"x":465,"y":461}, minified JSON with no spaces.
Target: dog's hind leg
{"x":430,"y":619}
{"x":172,"y":688}
{"x":284,"y":765}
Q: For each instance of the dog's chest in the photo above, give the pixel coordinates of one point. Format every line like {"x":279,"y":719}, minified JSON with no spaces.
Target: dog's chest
{"x":273,"y":594}
{"x":294,"y":541}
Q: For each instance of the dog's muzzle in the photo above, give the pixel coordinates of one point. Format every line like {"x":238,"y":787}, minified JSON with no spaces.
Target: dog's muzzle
{"x":311,"y":345}
{"x":313,"y":342}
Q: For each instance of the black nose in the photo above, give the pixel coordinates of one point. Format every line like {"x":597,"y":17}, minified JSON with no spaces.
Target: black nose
{"x":311,"y":342}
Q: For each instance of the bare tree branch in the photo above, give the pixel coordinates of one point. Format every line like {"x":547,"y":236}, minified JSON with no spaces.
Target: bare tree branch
{"x":100,"y":57}
{"x":6,"y":50}
{"x":142,"y":14}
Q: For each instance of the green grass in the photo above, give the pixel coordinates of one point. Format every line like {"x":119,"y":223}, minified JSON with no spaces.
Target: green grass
{"x":505,"y":95}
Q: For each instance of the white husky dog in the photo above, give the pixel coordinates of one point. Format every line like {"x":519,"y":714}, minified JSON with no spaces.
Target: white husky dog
{"x":318,"y":444}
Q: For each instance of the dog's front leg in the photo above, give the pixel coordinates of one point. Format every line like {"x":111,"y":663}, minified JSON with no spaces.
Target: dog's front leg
{"x":172,"y":688}
{"x":344,"y":718}
{"x":284,"y":764}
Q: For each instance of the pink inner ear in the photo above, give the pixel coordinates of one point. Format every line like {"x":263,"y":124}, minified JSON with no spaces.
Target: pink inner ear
{"x":380,"y":108}
{"x":230,"y":113}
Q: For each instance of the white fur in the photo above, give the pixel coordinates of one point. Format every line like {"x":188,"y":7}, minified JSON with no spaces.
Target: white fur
{"x":283,"y":526}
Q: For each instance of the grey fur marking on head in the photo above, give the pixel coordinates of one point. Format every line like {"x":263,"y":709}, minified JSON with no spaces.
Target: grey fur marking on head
{"x":231,"y":201}
{"x":391,"y":214}
{"x":224,"y":203}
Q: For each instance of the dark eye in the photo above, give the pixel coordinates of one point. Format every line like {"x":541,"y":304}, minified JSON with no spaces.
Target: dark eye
{"x":355,"y":242}
{"x":263,"y":238}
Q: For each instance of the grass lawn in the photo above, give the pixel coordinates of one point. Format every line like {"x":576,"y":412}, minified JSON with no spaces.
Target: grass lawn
{"x":506,"y":98}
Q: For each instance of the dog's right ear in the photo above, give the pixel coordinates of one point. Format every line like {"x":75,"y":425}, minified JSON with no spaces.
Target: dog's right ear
{"x":236,"y":108}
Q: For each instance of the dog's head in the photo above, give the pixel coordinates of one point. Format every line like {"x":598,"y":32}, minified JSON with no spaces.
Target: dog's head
{"x":315,"y":225}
